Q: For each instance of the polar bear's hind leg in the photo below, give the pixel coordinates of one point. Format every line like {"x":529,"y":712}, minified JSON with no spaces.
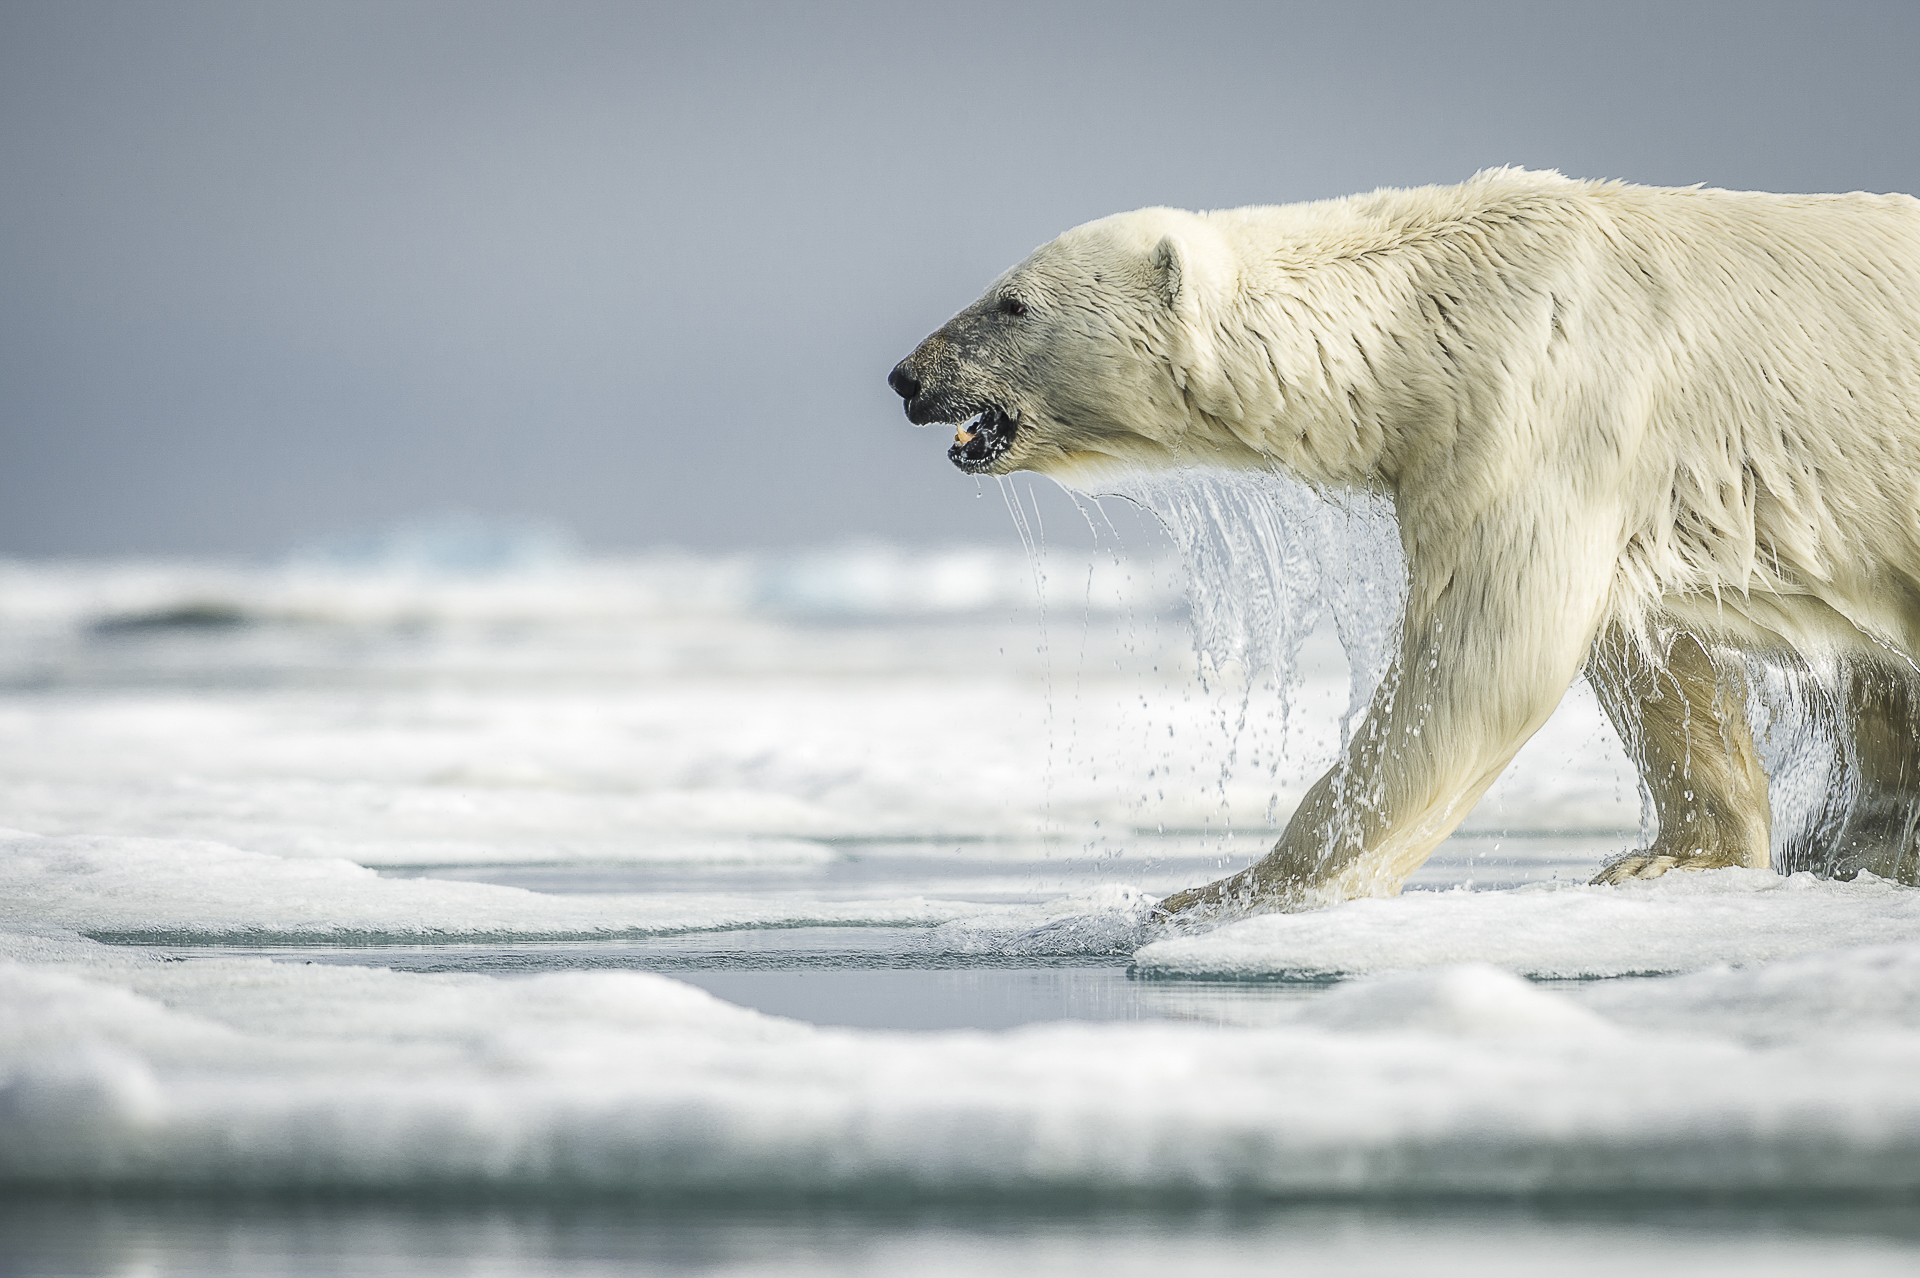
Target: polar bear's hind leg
{"x":1881,"y":832}
{"x":1685,"y":727}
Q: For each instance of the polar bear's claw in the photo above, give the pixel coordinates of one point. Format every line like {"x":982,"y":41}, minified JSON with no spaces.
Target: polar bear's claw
{"x":1651,"y":864}
{"x":1635,"y":867}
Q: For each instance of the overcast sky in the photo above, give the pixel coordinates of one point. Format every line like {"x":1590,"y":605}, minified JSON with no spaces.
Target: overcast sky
{"x":269,"y":271}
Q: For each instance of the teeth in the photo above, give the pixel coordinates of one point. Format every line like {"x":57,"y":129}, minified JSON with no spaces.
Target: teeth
{"x":986,"y":434}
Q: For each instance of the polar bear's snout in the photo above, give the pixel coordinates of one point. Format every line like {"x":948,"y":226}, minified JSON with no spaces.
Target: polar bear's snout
{"x":934,"y":385}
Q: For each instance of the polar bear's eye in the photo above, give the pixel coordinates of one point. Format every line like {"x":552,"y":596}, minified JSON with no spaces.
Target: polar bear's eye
{"x":1013,"y":306}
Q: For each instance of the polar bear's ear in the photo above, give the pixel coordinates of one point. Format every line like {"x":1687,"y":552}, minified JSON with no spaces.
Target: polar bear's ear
{"x":1171,"y":274}
{"x":1189,"y":276}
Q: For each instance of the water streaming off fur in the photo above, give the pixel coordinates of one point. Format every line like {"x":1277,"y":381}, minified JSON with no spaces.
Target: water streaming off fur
{"x":1265,"y":560}
{"x":1836,"y":738}
{"x":1791,"y":710}
{"x":1268,"y":558}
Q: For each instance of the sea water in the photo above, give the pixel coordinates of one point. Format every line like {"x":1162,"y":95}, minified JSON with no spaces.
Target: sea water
{"x":789,"y":914}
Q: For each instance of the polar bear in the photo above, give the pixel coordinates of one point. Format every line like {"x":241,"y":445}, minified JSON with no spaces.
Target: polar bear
{"x":1658,"y":436}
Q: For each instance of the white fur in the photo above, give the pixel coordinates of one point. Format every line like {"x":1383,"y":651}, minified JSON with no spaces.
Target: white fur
{"x":1594,"y":405}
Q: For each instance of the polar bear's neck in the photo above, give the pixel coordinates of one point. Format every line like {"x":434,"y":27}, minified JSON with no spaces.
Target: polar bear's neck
{"x":1348,"y":354}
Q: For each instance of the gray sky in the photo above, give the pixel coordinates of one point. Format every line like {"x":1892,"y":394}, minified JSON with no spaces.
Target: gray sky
{"x":273,"y":270}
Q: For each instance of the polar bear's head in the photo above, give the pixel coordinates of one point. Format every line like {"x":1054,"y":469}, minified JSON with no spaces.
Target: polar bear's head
{"x":1079,"y":360}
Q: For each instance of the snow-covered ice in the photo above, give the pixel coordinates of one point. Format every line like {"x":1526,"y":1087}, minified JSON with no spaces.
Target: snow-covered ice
{"x":211,"y":773}
{"x":124,"y":1069}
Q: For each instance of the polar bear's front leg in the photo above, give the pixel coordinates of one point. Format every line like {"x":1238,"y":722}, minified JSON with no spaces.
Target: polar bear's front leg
{"x":1491,"y":641}
{"x":1410,"y":776}
{"x":1683,"y":721}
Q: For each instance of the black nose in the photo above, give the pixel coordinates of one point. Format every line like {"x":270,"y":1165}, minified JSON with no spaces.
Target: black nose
{"x":904,"y":383}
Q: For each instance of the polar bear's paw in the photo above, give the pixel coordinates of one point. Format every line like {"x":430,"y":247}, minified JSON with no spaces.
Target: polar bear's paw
{"x":1653,"y":863}
{"x":1191,"y":905}
{"x":1232,"y":897}
{"x":1258,"y":889}
{"x":1189,"y":902}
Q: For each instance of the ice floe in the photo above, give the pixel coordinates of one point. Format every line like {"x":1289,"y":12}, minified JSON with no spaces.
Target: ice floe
{"x":175,"y":890}
{"x":119,"y":1068}
{"x":1677,"y":923}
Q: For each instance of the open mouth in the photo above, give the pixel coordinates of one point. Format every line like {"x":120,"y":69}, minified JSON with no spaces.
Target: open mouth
{"x":983,"y":440}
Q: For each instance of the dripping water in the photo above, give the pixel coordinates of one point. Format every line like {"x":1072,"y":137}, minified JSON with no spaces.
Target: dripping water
{"x":1033,"y":536}
{"x":1267,"y":559}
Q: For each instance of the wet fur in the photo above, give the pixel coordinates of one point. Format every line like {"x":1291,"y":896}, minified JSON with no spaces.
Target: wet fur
{"x":1654,"y":435}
